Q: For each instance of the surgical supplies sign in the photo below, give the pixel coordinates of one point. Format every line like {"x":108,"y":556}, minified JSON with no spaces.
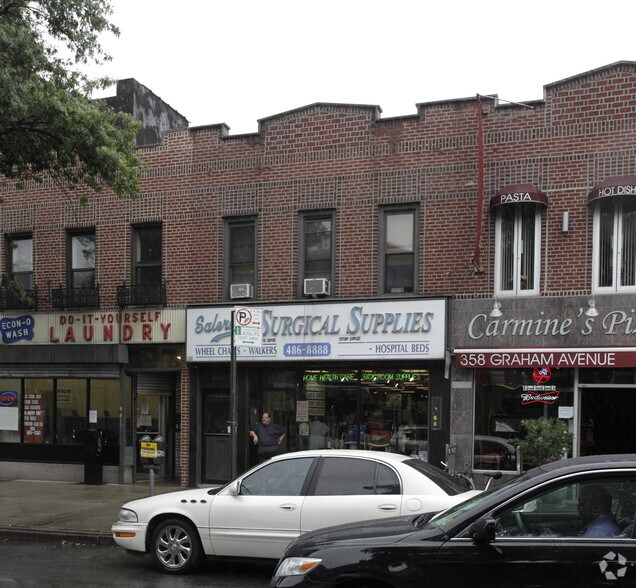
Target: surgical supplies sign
{"x":404,"y":329}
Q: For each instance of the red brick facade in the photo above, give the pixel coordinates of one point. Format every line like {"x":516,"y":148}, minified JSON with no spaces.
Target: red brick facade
{"x":348,"y":159}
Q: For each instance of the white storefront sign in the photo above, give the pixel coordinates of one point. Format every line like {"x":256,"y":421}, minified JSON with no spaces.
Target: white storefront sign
{"x":400,"y":329}
{"x":96,"y":327}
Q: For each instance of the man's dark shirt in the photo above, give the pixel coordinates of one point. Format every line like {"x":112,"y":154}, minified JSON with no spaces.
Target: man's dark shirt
{"x":268,"y":436}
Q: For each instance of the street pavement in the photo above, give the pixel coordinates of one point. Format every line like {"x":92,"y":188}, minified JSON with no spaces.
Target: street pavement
{"x":50,"y":511}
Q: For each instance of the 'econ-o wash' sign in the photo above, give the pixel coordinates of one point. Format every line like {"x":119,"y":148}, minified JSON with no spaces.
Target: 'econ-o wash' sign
{"x":247,"y":326}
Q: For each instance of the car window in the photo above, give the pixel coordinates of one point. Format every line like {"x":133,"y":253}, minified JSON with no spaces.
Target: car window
{"x":600,"y":507}
{"x":448,"y":518}
{"x":387,"y":481}
{"x":346,"y":477}
{"x":441,"y":478}
{"x":278,"y":478}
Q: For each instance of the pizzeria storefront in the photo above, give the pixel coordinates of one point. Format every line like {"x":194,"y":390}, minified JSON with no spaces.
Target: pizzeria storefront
{"x":544,"y":357}
{"x":366,"y":375}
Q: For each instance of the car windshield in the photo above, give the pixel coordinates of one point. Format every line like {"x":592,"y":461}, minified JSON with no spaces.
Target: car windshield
{"x":446,"y":482}
{"x":448,"y":517}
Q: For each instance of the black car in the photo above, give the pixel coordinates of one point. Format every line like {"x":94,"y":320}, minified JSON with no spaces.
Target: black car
{"x":567,"y":523}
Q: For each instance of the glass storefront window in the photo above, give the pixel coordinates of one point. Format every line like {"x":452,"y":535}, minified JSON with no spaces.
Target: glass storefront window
{"x":395,"y":410}
{"x":503,"y":398}
{"x":104,"y":408}
{"x":71,"y":411}
{"x":607,"y":376}
{"x":55,"y":410}
{"x":367,"y":409}
{"x":10,"y":405}
{"x":38,"y":410}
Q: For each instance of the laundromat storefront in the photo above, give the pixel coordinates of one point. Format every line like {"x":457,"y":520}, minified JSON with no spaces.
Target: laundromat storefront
{"x":366,"y":375}
{"x":73,"y":381}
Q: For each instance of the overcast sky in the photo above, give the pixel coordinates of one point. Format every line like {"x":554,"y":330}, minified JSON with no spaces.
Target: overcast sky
{"x":237,"y":61}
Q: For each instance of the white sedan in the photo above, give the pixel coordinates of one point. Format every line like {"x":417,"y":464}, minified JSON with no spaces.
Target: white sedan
{"x":258,"y":514}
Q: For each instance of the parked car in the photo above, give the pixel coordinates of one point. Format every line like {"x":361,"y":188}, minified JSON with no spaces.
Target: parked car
{"x":494,"y":453}
{"x":533,"y":531}
{"x":258,"y":514}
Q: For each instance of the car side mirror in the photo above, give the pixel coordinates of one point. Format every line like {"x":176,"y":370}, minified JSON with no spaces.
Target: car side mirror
{"x":483,"y":530}
{"x":234,"y":489}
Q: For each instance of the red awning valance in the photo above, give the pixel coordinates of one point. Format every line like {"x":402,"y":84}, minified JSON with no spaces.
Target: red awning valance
{"x":614,"y":186}
{"x":519,"y":194}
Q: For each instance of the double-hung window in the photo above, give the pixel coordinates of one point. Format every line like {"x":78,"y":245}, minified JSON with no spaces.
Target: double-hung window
{"x":517,"y":249}
{"x":82,"y":258}
{"x":317,"y":248}
{"x":20,"y":260}
{"x":614,"y":255}
{"x":398,"y":250}
{"x":240,"y":258}
{"x":147,"y":256}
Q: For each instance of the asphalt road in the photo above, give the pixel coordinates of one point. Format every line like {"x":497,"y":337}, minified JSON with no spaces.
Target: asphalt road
{"x":62,"y":565}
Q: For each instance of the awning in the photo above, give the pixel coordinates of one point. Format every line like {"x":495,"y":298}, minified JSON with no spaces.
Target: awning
{"x":613,"y":186}
{"x":519,"y":194}
{"x":553,"y":357}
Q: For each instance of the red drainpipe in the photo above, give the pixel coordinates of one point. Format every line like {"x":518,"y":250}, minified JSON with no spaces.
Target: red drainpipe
{"x":480,"y":186}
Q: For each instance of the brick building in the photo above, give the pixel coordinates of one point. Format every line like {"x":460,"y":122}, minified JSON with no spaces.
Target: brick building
{"x":425,"y":281}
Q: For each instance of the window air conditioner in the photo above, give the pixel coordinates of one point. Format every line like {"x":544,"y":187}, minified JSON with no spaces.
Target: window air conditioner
{"x":241,"y":291}
{"x":317,"y":287}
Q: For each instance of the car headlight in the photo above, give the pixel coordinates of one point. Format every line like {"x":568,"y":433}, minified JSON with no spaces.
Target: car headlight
{"x":128,"y":516}
{"x":296,"y":566}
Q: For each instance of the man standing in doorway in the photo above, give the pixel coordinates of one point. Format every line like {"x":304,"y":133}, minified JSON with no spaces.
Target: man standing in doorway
{"x":268,"y":437}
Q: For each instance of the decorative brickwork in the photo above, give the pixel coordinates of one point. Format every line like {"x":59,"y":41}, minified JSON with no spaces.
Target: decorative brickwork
{"x":347,"y":159}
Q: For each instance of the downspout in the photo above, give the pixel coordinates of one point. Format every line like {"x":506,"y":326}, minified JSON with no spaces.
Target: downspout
{"x":480,"y":188}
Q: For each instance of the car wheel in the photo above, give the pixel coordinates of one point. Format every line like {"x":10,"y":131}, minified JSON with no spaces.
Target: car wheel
{"x":176,"y":548}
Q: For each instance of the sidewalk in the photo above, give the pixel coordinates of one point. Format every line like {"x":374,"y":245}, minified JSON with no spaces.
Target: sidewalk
{"x":50,"y":511}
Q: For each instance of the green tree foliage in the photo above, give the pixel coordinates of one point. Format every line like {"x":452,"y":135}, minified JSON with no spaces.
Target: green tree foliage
{"x":49,"y":125}
{"x":545,"y":440}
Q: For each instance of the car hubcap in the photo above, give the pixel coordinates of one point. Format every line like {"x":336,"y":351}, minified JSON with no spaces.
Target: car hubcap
{"x":174,"y":547}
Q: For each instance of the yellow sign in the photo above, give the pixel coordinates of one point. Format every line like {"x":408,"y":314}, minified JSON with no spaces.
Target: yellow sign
{"x":148,"y":450}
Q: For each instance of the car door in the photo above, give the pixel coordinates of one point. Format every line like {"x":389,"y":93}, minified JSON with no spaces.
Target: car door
{"x":348,"y":489}
{"x":265,"y":516}
{"x":541,"y":541}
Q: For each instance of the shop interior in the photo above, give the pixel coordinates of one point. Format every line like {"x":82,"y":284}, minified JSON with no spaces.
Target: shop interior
{"x":381,"y":410}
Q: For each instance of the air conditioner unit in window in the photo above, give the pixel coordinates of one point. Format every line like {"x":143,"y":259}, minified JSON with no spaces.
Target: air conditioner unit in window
{"x":317,"y":287}
{"x":241,"y":291}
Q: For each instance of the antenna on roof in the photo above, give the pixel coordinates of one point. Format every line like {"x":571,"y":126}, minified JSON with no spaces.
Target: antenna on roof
{"x":497,"y":99}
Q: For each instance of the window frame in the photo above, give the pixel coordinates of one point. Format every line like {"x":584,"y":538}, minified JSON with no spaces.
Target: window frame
{"x":384,"y":213}
{"x":518,"y":231}
{"x":306,"y":217}
{"x":303,"y":467}
{"x":229,"y":225}
{"x":571,"y":487}
{"x":137,"y":266}
{"x":336,"y":465}
{"x":618,"y":230}
{"x":9,"y":259}
{"x":71,"y":271}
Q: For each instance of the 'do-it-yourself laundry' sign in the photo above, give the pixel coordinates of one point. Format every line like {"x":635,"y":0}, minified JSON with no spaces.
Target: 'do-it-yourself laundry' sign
{"x":400,"y":329}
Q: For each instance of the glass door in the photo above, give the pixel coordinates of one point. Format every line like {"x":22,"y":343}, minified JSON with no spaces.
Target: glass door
{"x":151,"y":420}
{"x":217,"y":448}
{"x":607,"y":420}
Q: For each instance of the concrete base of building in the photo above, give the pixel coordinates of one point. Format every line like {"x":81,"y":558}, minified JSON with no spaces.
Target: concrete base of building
{"x":59,"y":472}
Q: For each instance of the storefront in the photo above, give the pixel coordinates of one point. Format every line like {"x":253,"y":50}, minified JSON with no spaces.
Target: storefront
{"x":555,"y":357}
{"x":367,"y":375}
{"x":71,"y":381}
